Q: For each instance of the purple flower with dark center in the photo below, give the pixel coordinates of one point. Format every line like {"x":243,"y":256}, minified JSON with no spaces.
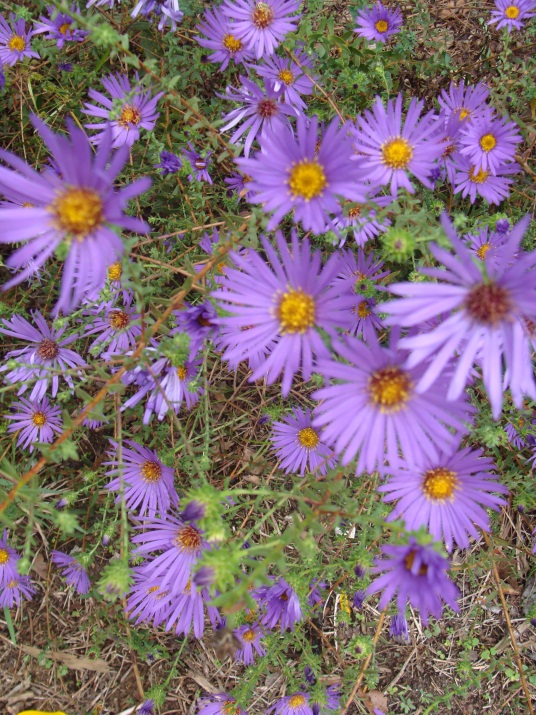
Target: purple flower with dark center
{"x":387,"y":148}
{"x":219,"y":704}
{"x":73,"y":571}
{"x":378,"y":23}
{"x":15,"y":591}
{"x":281,"y":305}
{"x":36,"y":420}
{"x":464,"y":102}
{"x":262,"y":25}
{"x":398,"y":628}
{"x":449,"y":132}
{"x":329,"y":701}
{"x":60,"y":27}
{"x":260,"y":109}
{"x":15,"y":41}
{"x":362,"y":221}
{"x":199,"y":164}
{"x":489,"y":141}
{"x":373,"y":411}
{"x":485,"y":245}
{"x":199,"y":321}
{"x":44,"y":359}
{"x":281,"y":604}
{"x":8,"y":561}
{"x":78,"y":208}
{"x":250,"y":643}
{"x":366,"y":324}
{"x":147,"y":483}
{"x":169,"y":163}
{"x":129,"y":110}
{"x":488,"y":321}
{"x":448,"y":495}
{"x":292,"y":173}
{"x":511,"y":13}
{"x":474,"y":182}
{"x":118,"y":328}
{"x":299,"y":447}
{"x":220,"y":37}
{"x":289,"y":77}
{"x":417,"y":574}
{"x":297,"y":704}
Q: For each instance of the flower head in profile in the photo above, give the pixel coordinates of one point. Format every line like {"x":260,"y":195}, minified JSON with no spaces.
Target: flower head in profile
{"x":126,"y":111}
{"x":448,"y":495}
{"x":463,"y":102}
{"x":262,"y":25}
{"x":277,"y":306}
{"x":218,"y":34}
{"x":60,"y":27}
{"x":73,"y":571}
{"x":486,"y":321}
{"x":378,"y":23}
{"x":16,"y":590}
{"x":489,"y":141}
{"x":15,"y":41}
{"x":361,"y":220}
{"x":169,"y":163}
{"x":147,"y":483}
{"x":219,"y":704}
{"x":199,"y":322}
{"x":187,"y":610}
{"x":292,"y":173}
{"x":36,"y":420}
{"x":297,"y":704}
{"x":199,"y":164}
{"x":398,"y":628}
{"x":388,"y":147}
{"x":299,"y":447}
{"x":474,"y":182}
{"x":416,"y":574}
{"x":8,"y":561}
{"x":512,"y":13}
{"x":167,"y":12}
{"x":77,"y":208}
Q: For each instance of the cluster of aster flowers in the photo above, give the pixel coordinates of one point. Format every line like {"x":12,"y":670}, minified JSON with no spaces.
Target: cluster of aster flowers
{"x":14,"y":587}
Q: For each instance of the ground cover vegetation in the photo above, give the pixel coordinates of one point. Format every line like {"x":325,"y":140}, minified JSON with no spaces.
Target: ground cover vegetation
{"x":267,"y":436}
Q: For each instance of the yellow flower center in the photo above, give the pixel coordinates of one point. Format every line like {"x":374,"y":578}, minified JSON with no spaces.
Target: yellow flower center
{"x":151,"y":471}
{"x":484,"y":248}
{"x":231,"y":43}
{"x":118,"y":319}
{"x":78,"y":212}
{"x":39,"y":419}
{"x":230,"y":707}
{"x":182,"y":373}
{"x":363,"y":310}
{"x":390,"y":389}
{"x":17,"y":43}
{"x":262,"y":16}
{"x":307,"y":179}
{"x":397,"y":153}
{"x":286,"y":76}
{"x":382,"y":26}
{"x":4,"y":557}
{"x":488,"y":303}
{"x":64,"y":29}
{"x":512,"y":12}
{"x":188,"y":538}
{"x":439,"y":484}
{"x":308,"y":438}
{"x":408,"y":562}
{"x":249,"y":635}
{"x":354,"y":212}
{"x":488,"y":142}
{"x":296,"y":701}
{"x":115,"y":271}
{"x":464,"y":113}
{"x":129,"y":115}
{"x":479,"y":177}
{"x":296,"y":312}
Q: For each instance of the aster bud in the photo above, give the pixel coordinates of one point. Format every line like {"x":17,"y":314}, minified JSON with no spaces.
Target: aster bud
{"x":194,"y":511}
{"x":398,"y":244}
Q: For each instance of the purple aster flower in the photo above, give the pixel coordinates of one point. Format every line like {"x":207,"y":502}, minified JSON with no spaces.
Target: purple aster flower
{"x":193,"y":511}
{"x":297,"y":704}
{"x":169,"y":163}
{"x":65,"y":66}
{"x":76,"y":208}
{"x":474,"y":182}
{"x":250,"y":643}
{"x":220,"y":37}
{"x":281,"y":604}
{"x":165,"y":11}
{"x":36,"y":420}
{"x":361,"y":220}
{"x":147,"y":601}
{"x":299,"y":447}
{"x":60,"y":27}
{"x":388,"y":148}
{"x":359,"y":599}
{"x":502,"y":226}
{"x":329,"y":701}
{"x":289,"y":77}
{"x":118,"y":328}
{"x":199,"y":321}
{"x":282,"y":304}
{"x":128,"y":110}
{"x":292,"y":173}
{"x":260,"y":109}
{"x":417,"y":574}
{"x":366,"y":324}
{"x":239,"y":184}
{"x":448,"y":495}
{"x":147,"y":483}
{"x":378,"y":23}
{"x":398,"y":628}
{"x":15,"y":591}
{"x":8,"y":561}
{"x":73,"y":571}
{"x":373,"y":411}
{"x":188,"y":609}
{"x":511,"y":13}
{"x":44,"y":359}
{"x":146,"y":708}
{"x":262,"y":25}
{"x":486,"y":246}
{"x":361,"y":271}
{"x":199,"y":164}
{"x":488,"y":324}
{"x":219,"y":704}
{"x":489,"y":141}
{"x":463,"y":102}
{"x":513,"y":437}
{"x":15,"y":41}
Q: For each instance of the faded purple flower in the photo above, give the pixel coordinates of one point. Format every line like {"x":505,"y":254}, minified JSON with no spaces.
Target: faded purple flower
{"x":15,"y":591}
{"x":118,"y":328}
{"x":281,"y":604}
